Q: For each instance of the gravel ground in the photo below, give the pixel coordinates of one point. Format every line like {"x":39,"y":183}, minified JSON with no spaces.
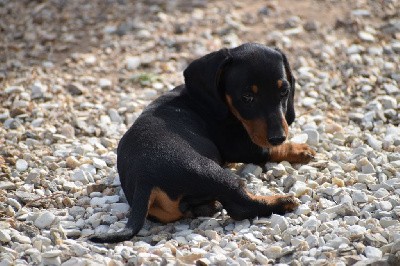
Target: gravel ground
{"x":75,"y":75}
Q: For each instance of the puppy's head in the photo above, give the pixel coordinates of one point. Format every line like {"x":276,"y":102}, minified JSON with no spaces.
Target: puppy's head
{"x":252,"y":82}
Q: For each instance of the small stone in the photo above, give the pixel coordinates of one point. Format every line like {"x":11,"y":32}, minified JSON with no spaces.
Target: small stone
{"x":366,"y":36}
{"x":105,"y":83}
{"x":114,"y":116}
{"x":117,"y":208}
{"x":68,"y":131}
{"x":390,"y":88}
{"x":4,"y":236}
{"x":359,"y":197}
{"x":278,"y":220}
{"x":273,"y":252}
{"x":374,"y":143}
{"x":381,"y":193}
{"x":212,"y":235}
{"x":73,"y":261}
{"x":132,"y":62}
{"x":75,"y":89}
{"x":333,"y":127}
{"x":263,"y":260}
{"x":372,"y":252}
{"x":300,"y":188}
{"x":385,"y":205}
{"x":301,"y":138}
{"x":95,"y":188}
{"x":303,"y":210}
{"x":79,"y":175}
{"x":312,"y":223}
{"x":72,"y":162}
{"x":338,"y":182}
{"x":356,"y":230}
{"x":388,"y":102}
{"x":44,"y":220}
{"x":38,"y":90}
{"x":7,"y":185}
{"x":351,"y":220}
{"x":311,"y":26}
{"x":388,"y":221}
{"x":361,"y":13}
{"x":149,"y":94}
{"x":252,"y":238}
{"x":21,"y":165}
{"x":90,"y":60}
{"x":278,"y":170}
{"x":313,"y":137}
{"x":308,"y":102}
{"x":251,"y":169}
{"x":14,"y":89}
{"x":99,"y":163}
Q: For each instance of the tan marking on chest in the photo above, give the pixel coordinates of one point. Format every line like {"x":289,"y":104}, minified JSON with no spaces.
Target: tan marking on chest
{"x":280,"y":83}
{"x":254,"y":89}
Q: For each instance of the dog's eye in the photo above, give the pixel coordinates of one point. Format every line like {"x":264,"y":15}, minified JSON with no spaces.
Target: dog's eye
{"x":284,"y":92}
{"x":247,"y":98}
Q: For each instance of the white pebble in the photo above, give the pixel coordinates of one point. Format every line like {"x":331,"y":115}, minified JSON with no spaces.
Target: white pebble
{"x":359,"y":197}
{"x":313,"y":137}
{"x":99,"y":163}
{"x":279,"y":221}
{"x":385,"y":205}
{"x":263,"y":260}
{"x":21,"y":165}
{"x":366,"y":36}
{"x":303,"y":210}
{"x":301,"y":138}
{"x":105,"y":83}
{"x":278,"y":170}
{"x":132,"y":62}
{"x":44,"y":220}
{"x":308,"y":102}
{"x":79,"y":175}
{"x":372,"y":252}
{"x":4,"y":236}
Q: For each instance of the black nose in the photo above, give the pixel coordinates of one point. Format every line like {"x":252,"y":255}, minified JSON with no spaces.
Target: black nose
{"x":276,"y":140}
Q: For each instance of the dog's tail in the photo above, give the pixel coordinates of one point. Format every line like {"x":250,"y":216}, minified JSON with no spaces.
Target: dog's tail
{"x":137,"y":216}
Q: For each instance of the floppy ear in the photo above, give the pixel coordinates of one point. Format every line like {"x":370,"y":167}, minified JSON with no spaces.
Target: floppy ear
{"x":290,"y":113}
{"x":202,"y":78}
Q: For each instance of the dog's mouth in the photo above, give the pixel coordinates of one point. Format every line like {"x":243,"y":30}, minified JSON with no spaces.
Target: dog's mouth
{"x":257,"y":129}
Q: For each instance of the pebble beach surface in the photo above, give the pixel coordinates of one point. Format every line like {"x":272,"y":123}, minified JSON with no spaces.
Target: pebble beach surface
{"x":75,"y":75}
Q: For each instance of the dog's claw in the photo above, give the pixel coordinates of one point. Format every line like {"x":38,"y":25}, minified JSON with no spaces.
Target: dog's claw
{"x":289,"y":203}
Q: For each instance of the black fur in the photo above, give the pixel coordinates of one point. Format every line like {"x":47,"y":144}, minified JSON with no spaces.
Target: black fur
{"x":180,"y":141}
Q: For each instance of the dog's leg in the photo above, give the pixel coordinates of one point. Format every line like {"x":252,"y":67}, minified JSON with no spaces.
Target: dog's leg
{"x":227,"y":188}
{"x":136,"y":218}
{"x":241,"y":204}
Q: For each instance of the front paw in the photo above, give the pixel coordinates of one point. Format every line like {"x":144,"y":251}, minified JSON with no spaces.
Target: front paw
{"x":292,"y":152}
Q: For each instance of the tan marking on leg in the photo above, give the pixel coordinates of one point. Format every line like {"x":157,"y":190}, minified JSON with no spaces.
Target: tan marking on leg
{"x":291,"y":152}
{"x":254,"y":89}
{"x":279,"y":82}
{"x":257,"y":129}
{"x":163,"y":208}
{"x":285,"y":126}
{"x":285,"y":202}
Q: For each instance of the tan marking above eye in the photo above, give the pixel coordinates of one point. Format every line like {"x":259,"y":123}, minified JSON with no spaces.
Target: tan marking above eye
{"x":279,"y":82}
{"x":254,"y":88}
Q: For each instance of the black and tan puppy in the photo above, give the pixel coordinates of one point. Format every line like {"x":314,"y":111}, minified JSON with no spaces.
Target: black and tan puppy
{"x":235,"y":106}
